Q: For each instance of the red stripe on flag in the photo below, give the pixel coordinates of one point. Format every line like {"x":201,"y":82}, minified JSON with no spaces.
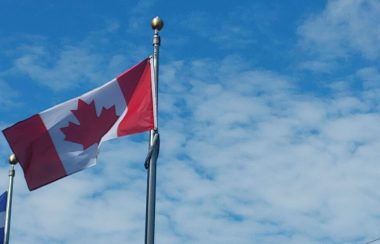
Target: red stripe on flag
{"x":35,"y":151}
{"x":136,"y":87}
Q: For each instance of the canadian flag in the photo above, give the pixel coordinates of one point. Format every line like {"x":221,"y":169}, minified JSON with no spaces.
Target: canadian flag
{"x":65,"y":139}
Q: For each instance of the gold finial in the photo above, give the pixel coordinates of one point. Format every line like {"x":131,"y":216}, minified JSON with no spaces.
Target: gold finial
{"x":12,"y":159}
{"x":157,"y":23}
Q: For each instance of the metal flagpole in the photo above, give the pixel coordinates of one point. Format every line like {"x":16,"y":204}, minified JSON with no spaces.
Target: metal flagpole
{"x":12,"y":162}
{"x":150,"y":164}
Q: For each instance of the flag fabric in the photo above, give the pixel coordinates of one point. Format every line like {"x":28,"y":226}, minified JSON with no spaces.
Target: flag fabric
{"x":65,"y":139}
{"x":3,"y":207}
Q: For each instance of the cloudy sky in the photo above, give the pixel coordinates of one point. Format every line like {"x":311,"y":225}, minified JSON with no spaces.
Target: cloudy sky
{"x":269,"y":113}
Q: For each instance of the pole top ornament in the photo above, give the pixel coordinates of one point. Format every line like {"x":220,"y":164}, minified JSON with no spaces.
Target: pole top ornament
{"x":157,"y":23}
{"x":12,"y":159}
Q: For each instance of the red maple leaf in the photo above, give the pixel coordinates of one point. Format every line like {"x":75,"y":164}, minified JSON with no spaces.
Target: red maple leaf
{"x":91,"y":128}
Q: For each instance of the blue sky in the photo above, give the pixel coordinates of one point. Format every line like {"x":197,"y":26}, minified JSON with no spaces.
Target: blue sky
{"x":268,"y":111}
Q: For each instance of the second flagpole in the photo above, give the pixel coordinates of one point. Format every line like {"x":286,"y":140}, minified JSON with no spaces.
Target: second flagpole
{"x":157,"y":25}
{"x":7,"y":225}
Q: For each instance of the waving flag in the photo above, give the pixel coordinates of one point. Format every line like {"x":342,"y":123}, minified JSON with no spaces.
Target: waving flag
{"x":65,"y":139}
{"x":3,"y":207}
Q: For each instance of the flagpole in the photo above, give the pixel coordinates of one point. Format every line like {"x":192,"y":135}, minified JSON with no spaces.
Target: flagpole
{"x":157,"y":25}
{"x":12,"y":162}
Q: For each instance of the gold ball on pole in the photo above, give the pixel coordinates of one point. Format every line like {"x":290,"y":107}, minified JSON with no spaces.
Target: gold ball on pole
{"x":157,"y":23}
{"x":12,"y":159}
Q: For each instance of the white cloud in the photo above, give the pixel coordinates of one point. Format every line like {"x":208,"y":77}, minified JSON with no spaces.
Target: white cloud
{"x":257,"y":160}
{"x":370,"y":77}
{"x":72,"y":64}
{"x":73,"y":67}
{"x":8,"y":96}
{"x":343,"y":28}
{"x":317,"y":66}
